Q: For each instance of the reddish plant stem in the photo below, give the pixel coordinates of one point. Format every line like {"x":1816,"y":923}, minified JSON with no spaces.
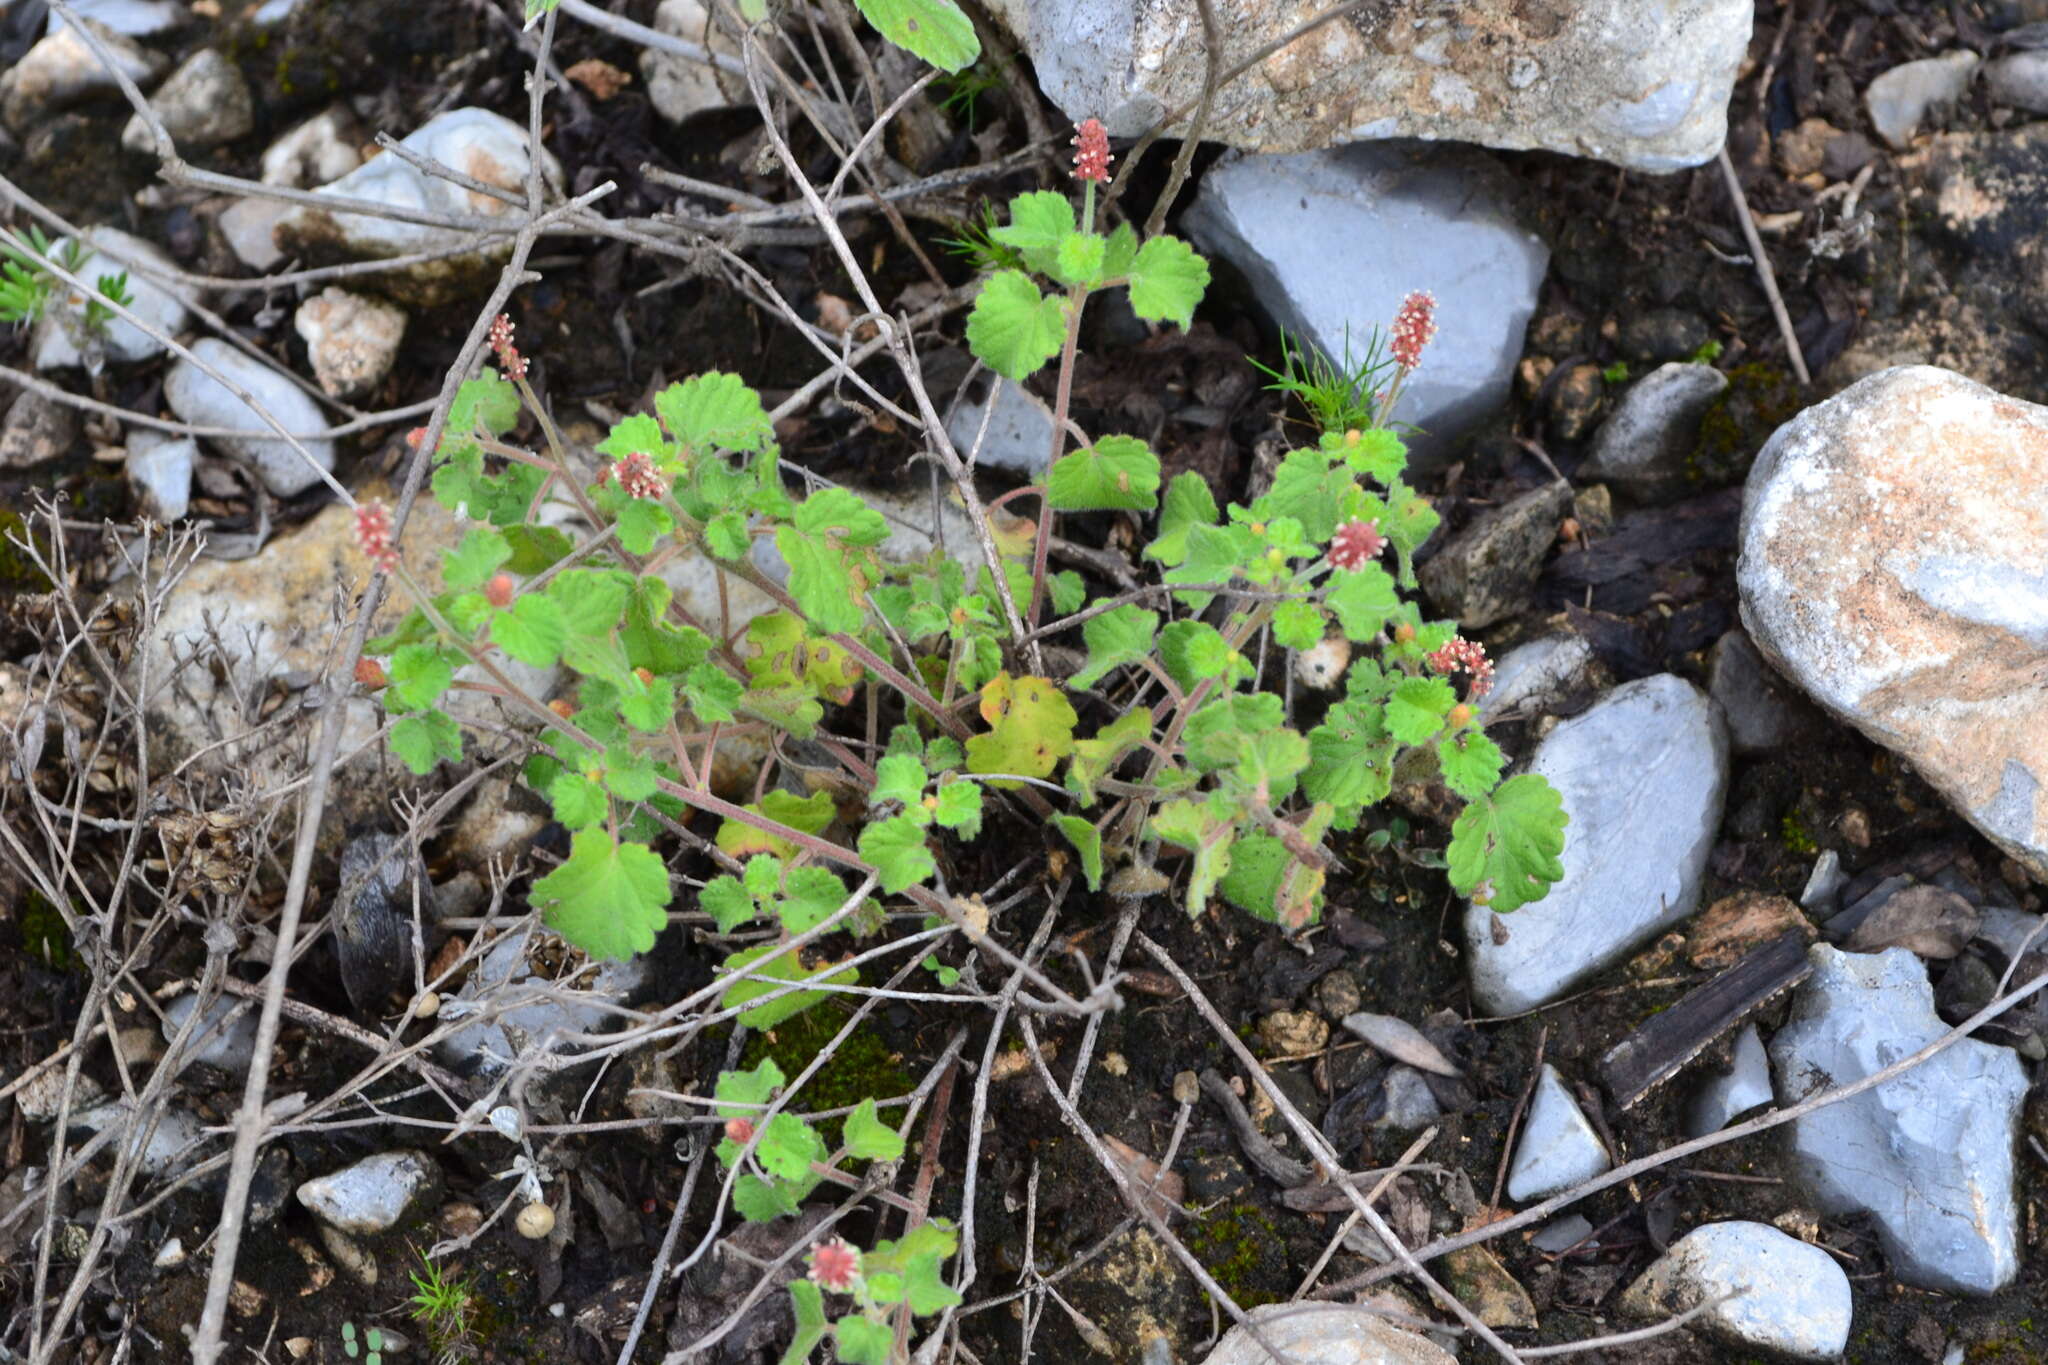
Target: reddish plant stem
{"x":1077,"y":297}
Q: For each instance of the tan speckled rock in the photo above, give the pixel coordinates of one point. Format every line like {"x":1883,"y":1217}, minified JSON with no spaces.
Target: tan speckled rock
{"x":1895,"y":566}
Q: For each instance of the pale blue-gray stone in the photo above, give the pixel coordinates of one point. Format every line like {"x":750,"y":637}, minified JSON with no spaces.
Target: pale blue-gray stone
{"x":1929,"y":1155}
{"x":1331,"y":242}
{"x":1559,"y":1148}
{"x":1643,"y":775}
{"x":1777,"y":1293}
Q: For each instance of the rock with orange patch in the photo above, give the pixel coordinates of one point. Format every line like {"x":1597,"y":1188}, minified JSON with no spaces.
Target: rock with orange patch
{"x":481,"y":145}
{"x":1895,"y":566}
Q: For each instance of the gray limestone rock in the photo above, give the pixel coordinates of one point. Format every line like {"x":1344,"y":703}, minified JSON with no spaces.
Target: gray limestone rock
{"x":371,"y":1196}
{"x":1928,"y":1155}
{"x":1900,"y":98}
{"x":1763,"y":711}
{"x":202,"y":104}
{"x":1558,"y":1148}
{"x":2019,"y":81}
{"x":1331,"y":242}
{"x":1644,"y":86}
{"x":1644,"y":447}
{"x":1326,"y":1334}
{"x":1743,"y":1087}
{"x":1535,"y":676}
{"x":1488,"y":570}
{"x":1643,"y":774}
{"x":530,"y":1010}
{"x":160,"y":466}
{"x":62,"y":69}
{"x":204,"y":401}
{"x":1019,"y":432}
{"x":217,"y":1040}
{"x":1788,"y":1297}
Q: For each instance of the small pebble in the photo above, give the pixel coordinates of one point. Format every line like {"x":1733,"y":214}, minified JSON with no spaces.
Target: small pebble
{"x":536,"y":1221}
{"x":428,"y":1006}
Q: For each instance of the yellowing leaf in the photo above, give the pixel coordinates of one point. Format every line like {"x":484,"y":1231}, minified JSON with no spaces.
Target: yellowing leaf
{"x":1031,"y":728}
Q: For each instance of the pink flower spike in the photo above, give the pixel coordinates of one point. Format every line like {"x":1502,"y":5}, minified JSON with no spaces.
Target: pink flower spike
{"x":1467,"y":657}
{"x":1356,"y":544}
{"x":835,"y":1265}
{"x":1414,"y":325}
{"x":373,"y":536}
{"x":636,"y":474}
{"x":509,"y":358}
{"x":1091,"y":151}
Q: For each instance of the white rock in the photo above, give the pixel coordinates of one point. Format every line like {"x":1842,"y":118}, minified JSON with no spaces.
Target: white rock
{"x":1019,"y":435}
{"x":160,"y":467}
{"x":1326,"y":1334}
{"x":132,"y":18}
{"x":1398,"y":218}
{"x":324,"y":148}
{"x":1535,"y":676}
{"x":248,"y":225}
{"x":482,"y":145}
{"x":1789,"y":1297}
{"x":1902,"y":96}
{"x":216,"y":1040}
{"x":172,"y":1145}
{"x":1910,"y":596}
{"x":2019,"y":81}
{"x":1930,"y":1154}
{"x":1642,"y":85}
{"x":170,"y":1255}
{"x":351,"y":340}
{"x":1559,"y":1148}
{"x":61,"y":340}
{"x":202,"y":104}
{"x":61,"y":69}
{"x":1643,"y":775}
{"x":678,"y":86}
{"x":199,"y":398}
{"x":1644,"y":447}
{"x":40,"y":1099}
{"x":1745,"y":1086}
{"x":504,"y":978}
{"x":371,"y":1196}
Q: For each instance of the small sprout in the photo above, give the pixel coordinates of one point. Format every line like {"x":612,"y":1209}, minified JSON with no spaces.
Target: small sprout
{"x":535,"y":1221}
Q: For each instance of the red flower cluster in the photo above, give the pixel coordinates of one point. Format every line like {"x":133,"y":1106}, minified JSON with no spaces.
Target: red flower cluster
{"x":835,"y":1265}
{"x":373,"y":536}
{"x":509,"y":359}
{"x":1091,"y":151}
{"x":637,"y":475}
{"x":1356,"y":544}
{"x":1468,"y":657}
{"x":1414,"y":325}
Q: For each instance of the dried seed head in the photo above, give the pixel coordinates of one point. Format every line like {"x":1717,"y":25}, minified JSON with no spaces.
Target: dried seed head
{"x":1091,"y":151}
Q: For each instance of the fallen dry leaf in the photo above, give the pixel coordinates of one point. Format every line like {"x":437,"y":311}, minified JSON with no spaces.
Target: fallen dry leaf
{"x":600,"y":78}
